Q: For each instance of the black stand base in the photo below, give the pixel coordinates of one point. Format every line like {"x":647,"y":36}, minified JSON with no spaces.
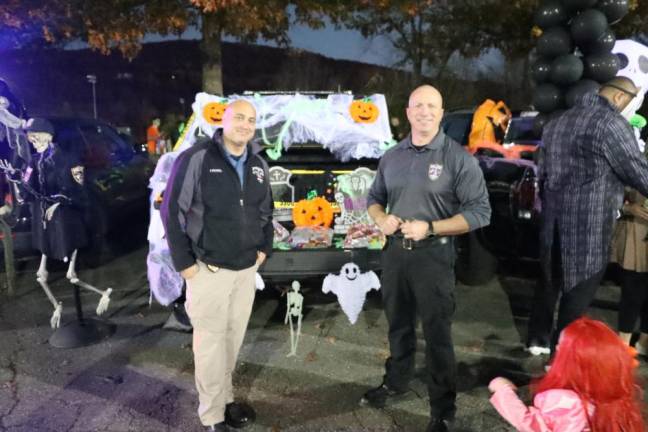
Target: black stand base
{"x":77,"y":334}
{"x":83,"y":331}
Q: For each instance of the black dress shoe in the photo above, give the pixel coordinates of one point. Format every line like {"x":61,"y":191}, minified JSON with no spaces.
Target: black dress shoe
{"x":219,"y":427}
{"x":381,"y":396}
{"x":438,"y":425}
{"x":238,"y":415}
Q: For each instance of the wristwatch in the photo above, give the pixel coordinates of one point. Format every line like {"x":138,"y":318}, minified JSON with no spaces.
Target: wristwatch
{"x":430,"y":231}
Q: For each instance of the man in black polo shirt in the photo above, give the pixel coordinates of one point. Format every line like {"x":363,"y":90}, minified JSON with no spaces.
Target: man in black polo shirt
{"x":432,"y":190}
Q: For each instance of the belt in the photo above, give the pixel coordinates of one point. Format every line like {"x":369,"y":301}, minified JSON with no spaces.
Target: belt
{"x":409,"y":244}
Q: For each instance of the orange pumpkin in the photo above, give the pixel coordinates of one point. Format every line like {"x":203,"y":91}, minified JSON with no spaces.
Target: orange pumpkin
{"x":364,"y":111}
{"x":314,"y":212}
{"x":213,"y":112}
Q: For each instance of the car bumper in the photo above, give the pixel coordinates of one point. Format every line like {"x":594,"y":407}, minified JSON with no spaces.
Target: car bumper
{"x":295,"y":264}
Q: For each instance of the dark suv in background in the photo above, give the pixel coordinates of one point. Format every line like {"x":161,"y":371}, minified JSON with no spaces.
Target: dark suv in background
{"x":512,"y":187}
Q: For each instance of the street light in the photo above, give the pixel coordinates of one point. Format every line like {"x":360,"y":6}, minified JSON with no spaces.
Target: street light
{"x":92,"y":79}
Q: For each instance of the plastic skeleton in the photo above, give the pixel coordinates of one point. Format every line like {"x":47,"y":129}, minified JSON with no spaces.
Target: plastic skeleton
{"x":41,"y":141}
{"x":351,"y":288}
{"x":295,"y":302}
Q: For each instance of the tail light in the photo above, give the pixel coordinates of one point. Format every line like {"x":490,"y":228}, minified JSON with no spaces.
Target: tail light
{"x":526,"y":196}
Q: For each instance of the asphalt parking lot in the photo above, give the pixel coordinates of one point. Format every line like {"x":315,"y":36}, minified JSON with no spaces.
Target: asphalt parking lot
{"x":141,"y":378}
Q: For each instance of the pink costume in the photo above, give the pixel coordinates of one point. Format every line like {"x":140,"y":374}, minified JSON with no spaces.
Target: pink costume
{"x":552,"y":411}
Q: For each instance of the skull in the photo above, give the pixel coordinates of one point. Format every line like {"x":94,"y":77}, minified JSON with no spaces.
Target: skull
{"x":295,"y":286}
{"x":350,"y":271}
{"x":40,"y":140}
{"x":633,"y":62}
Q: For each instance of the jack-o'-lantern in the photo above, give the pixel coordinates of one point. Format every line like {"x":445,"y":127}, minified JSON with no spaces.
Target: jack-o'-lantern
{"x":364,"y":111}
{"x":213,"y":112}
{"x":313,"y":212}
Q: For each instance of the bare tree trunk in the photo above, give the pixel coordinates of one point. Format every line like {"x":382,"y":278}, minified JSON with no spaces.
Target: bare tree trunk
{"x":210,"y":47}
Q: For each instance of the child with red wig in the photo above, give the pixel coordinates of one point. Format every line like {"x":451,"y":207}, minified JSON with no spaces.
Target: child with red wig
{"x":591,"y":386}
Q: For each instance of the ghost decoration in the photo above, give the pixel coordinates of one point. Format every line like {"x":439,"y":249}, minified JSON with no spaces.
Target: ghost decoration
{"x":633,"y":62}
{"x":351,"y":288}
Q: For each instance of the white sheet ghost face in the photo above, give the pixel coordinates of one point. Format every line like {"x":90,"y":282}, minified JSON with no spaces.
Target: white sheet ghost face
{"x":633,"y":62}
{"x":350,"y":271}
{"x":351,"y":287}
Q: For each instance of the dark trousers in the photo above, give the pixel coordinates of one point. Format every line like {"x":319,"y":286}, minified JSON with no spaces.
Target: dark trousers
{"x":634,"y":301}
{"x":573,"y":301}
{"x":421,"y":281}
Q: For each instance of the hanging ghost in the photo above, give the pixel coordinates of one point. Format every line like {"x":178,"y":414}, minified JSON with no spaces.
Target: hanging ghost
{"x":351,"y":288}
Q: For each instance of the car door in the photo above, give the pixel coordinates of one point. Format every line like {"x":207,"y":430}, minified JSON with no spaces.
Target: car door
{"x":106,"y":168}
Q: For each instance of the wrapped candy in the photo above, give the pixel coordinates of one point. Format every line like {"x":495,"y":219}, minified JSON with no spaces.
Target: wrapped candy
{"x":364,"y":236}
{"x":311,"y":237}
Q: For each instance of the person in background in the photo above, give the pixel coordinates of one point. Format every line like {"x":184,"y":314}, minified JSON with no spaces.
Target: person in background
{"x":630,"y":251}
{"x":591,"y":386}
{"x":153,"y":136}
{"x":590,"y":153}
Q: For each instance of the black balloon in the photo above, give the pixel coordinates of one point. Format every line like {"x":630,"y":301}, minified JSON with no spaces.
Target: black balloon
{"x":547,"y":98}
{"x":576,"y":5}
{"x":555,"y":42}
{"x":614,"y":10}
{"x":539,"y":123}
{"x":580,"y":89}
{"x":588,"y":26}
{"x":550,"y":14}
{"x":601,"y":67}
{"x":566,"y":69}
{"x":604,"y":44}
{"x":540,"y":71}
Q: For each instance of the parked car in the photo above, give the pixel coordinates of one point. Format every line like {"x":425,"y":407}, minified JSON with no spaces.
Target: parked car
{"x":116,"y":175}
{"x":512,"y":186}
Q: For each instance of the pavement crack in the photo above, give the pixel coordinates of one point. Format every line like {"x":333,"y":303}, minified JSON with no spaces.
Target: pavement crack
{"x":12,"y":383}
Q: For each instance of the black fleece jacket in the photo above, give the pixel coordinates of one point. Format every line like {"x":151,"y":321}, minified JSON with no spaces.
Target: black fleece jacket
{"x":209,"y":216}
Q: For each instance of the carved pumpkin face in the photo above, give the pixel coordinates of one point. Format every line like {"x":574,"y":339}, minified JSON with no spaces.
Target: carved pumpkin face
{"x":314,"y":212}
{"x":213,"y":112}
{"x":364,"y":111}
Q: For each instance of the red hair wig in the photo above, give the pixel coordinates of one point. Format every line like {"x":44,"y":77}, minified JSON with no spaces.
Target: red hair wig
{"x":594,"y":362}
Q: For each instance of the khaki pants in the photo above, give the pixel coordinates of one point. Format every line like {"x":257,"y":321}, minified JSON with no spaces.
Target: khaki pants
{"x":219,"y":304}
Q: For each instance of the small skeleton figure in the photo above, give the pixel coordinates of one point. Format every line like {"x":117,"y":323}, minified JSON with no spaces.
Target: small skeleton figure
{"x":351,"y":288}
{"x":53,"y":184}
{"x":295,"y":302}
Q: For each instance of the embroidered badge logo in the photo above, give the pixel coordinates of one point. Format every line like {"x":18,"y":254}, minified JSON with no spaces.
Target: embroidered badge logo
{"x":434,"y":172}
{"x":259,"y":173}
{"x":77,"y":174}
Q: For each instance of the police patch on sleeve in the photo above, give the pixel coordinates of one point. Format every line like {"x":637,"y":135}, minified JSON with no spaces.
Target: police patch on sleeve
{"x":435,"y":170}
{"x":77,"y":174}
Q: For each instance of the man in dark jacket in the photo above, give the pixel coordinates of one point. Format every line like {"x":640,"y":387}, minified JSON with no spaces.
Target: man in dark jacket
{"x":590,"y":154}
{"x":217,"y":213}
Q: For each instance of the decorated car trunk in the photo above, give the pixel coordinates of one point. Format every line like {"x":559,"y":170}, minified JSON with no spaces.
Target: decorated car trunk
{"x":323,"y":150}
